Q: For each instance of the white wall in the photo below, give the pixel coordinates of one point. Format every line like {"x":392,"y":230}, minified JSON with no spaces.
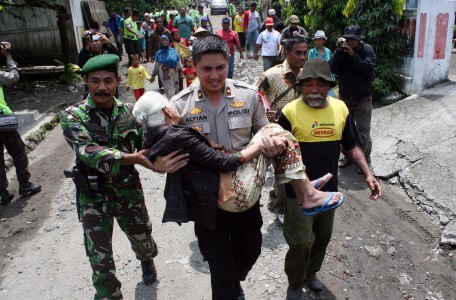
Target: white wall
{"x":427,"y":71}
{"x":78,"y":21}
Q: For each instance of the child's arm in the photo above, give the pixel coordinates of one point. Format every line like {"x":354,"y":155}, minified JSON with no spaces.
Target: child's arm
{"x":145,"y":74}
{"x":129,"y":79}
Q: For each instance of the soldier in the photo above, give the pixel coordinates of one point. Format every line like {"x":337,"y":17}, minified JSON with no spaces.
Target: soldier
{"x":104,"y":134}
{"x":278,"y":86}
{"x":228,"y":113}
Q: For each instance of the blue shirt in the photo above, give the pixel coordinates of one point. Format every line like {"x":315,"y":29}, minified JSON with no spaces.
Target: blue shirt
{"x":114,"y":24}
{"x":184,"y":25}
{"x":314,"y":53}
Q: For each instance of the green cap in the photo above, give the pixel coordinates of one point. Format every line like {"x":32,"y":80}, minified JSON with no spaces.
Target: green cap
{"x":103,"y":62}
{"x":316,"y":68}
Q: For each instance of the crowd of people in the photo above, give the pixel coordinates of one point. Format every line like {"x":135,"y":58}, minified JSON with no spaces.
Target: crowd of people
{"x":225,"y":130}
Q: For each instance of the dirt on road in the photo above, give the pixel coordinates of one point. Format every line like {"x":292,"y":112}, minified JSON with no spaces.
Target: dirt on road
{"x":380,"y":250}
{"x":385,"y":249}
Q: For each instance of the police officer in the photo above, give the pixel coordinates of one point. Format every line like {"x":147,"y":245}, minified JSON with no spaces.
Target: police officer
{"x":105,"y":137}
{"x":228,"y":113}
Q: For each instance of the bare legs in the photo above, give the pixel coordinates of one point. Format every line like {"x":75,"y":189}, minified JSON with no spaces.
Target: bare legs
{"x":308,"y":196}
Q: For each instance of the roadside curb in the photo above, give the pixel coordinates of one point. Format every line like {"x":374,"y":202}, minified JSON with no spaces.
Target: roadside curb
{"x":38,"y":133}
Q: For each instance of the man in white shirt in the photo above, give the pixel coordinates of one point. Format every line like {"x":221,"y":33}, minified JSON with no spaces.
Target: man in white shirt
{"x":252,"y":25}
{"x":269,"y":41}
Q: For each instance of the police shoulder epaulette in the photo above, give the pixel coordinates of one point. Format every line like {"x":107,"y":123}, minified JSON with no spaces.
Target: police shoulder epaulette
{"x":184,"y":92}
{"x":244,"y":84}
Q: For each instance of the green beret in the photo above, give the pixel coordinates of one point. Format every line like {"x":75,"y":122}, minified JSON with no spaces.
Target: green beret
{"x":103,"y":62}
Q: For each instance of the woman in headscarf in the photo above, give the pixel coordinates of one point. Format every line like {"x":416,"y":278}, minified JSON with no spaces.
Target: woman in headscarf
{"x":168,"y":67}
{"x":181,"y":45}
{"x":205,"y":24}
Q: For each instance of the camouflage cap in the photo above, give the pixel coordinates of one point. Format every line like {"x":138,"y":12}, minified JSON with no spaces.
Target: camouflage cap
{"x":103,"y":62}
{"x":294,"y":19}
{"x":316,"y":68}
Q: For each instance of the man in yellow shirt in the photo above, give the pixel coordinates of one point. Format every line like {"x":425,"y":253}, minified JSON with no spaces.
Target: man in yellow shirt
{"x":238,"y":22}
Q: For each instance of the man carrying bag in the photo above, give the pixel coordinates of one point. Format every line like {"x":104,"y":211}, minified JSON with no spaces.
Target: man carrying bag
{"x":10,"y":138}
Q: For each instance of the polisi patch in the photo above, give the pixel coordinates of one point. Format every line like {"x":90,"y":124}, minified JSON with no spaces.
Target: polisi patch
{"x":238,"y":112}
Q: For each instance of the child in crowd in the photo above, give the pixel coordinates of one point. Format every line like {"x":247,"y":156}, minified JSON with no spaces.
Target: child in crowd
{"x":136,"y":76}
{"x":142,"y":42}
{"x":205,"y":24}
{"x":189,"y":72}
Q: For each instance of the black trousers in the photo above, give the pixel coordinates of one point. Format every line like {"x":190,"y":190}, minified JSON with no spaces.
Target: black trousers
{"x":12,"y":141}
{"x":131,"y":47}
{"x":231,"y":249}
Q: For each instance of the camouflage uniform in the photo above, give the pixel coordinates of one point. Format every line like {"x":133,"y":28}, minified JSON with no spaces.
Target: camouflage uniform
{"x":100,"y":143}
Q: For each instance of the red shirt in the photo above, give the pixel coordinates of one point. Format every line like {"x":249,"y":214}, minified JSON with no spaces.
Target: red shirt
{"x":189,"y":74}
{"x":230,"y":37}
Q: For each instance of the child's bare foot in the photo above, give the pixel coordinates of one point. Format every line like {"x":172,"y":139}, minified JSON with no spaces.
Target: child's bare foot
{"x":318,"y":198}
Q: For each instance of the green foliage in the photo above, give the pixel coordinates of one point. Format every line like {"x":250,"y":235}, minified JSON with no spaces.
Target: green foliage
{"x":379,"y":21}
{"x":71,"y":74}
{"x":295,"y":7}
{"x":326,"y":15}
{"x":143,"y":6}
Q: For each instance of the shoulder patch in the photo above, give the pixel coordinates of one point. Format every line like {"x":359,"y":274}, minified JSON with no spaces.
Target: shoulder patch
{"x":182,"y":94}
{"x":244,"y":85}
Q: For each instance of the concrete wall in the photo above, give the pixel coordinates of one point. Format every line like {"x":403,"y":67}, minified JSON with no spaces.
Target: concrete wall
{"x":432,"y":46}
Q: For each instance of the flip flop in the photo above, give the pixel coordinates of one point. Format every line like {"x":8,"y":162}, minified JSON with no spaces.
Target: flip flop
{"x":324,"y":208}
{"x":319,"y":186}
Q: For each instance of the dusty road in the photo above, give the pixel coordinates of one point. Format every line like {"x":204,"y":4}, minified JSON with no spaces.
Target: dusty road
{"x":380,"y":250}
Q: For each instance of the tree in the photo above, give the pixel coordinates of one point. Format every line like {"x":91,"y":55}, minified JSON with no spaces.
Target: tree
{"x":62,"y":18}
{"x":380,"y":21}
{"x":326,"y":15}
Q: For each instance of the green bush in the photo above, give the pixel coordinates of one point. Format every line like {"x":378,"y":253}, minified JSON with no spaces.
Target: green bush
{"x":379,"y":20}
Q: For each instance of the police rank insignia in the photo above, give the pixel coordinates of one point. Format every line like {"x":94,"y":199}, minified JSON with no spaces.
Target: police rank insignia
{"x":195,"y":111}
{"x":228,"y":91}
{"x":200,"y":94}
{"x":237,"y":104}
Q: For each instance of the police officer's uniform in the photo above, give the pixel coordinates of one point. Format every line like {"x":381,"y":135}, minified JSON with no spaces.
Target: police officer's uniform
{"x":235,"y":244}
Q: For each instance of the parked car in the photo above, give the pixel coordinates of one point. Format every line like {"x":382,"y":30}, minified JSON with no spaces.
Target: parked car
{"x":219,"y":6}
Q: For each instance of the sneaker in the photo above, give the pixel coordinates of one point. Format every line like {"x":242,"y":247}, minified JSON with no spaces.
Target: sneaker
{"x":149,"y":272}
{"x":315,"y":285}
{"x":294,"y":294}
{"x":239,"y":291}
{"x":28,"y":188}
{"x":6,"y":197}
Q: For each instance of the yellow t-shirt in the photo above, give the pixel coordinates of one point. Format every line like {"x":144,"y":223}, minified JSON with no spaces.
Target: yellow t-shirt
{"x":312,"y":125}
{"x":238,"y":21}
{"x":136,"y":77}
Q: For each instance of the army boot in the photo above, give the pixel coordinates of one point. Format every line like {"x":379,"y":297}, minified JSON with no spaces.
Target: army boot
{"x":149,"y":272}
{"x":27,"y":187}
{"x":5,"y":197}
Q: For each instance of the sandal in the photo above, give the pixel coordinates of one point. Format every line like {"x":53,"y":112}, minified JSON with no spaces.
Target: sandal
{"x":344,"y":162}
